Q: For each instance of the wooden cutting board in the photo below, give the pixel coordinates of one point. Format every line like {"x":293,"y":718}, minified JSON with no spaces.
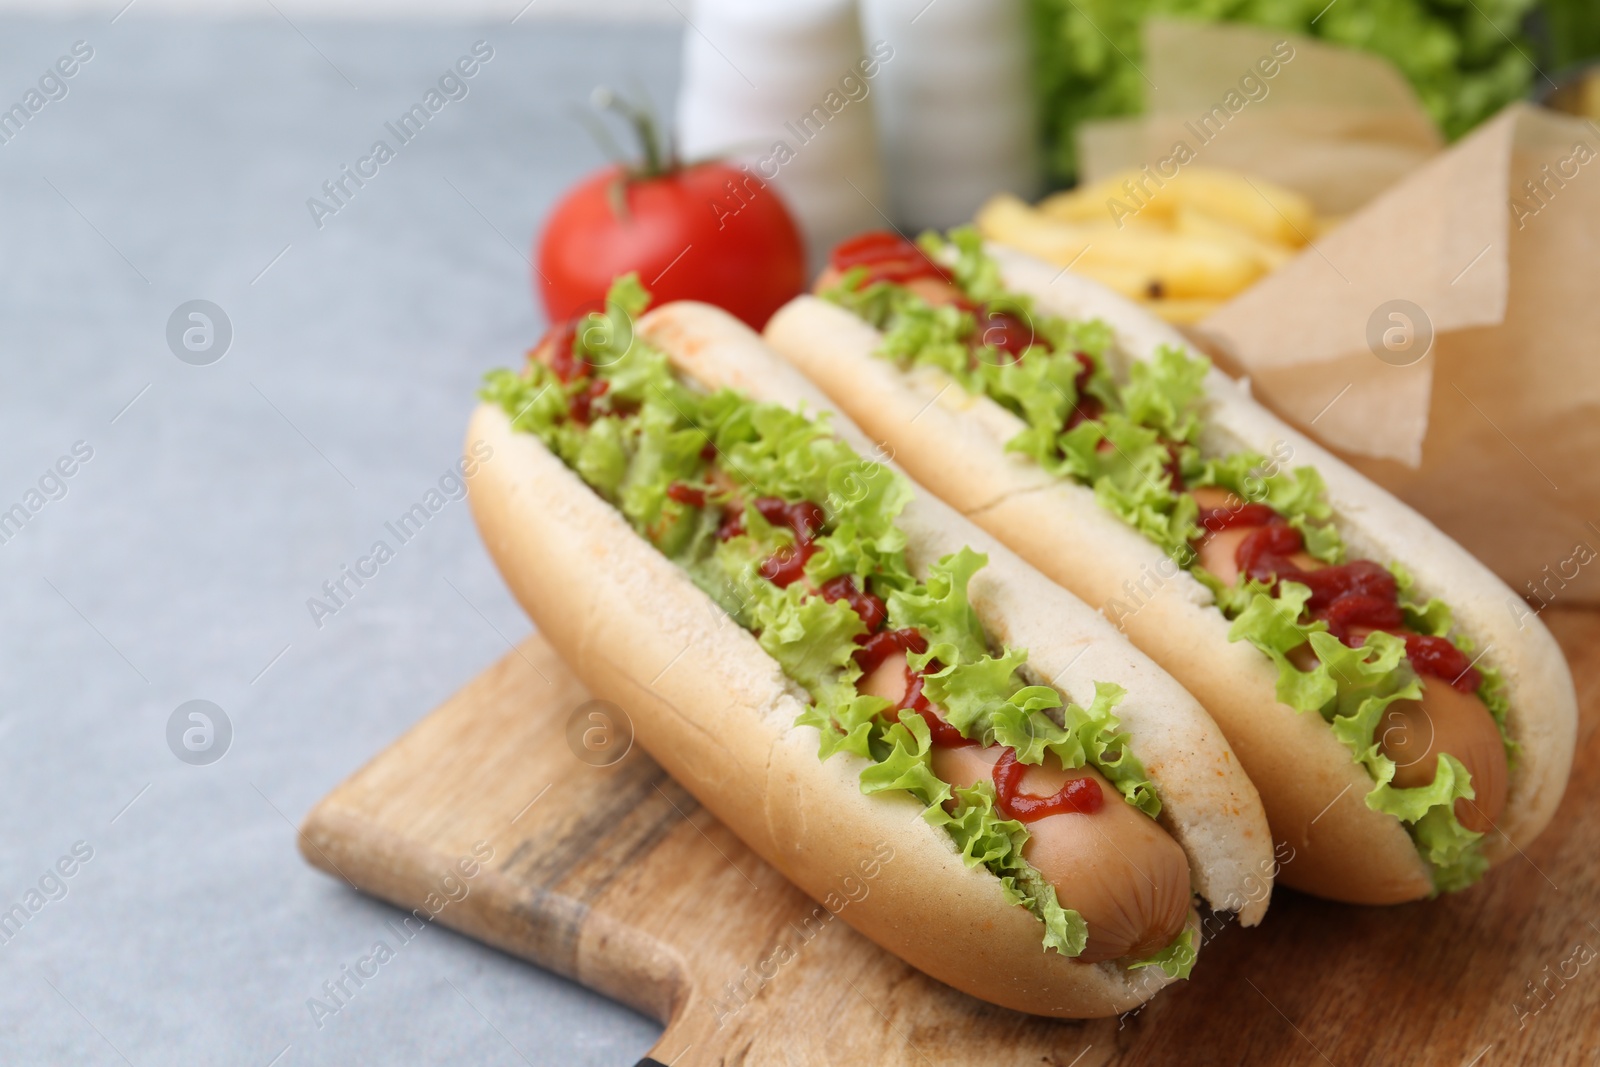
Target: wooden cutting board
{"x":615,"y":877}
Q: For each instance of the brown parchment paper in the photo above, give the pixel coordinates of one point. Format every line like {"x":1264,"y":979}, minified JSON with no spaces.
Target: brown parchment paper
{"x":1338,"y":125}
{"x":1494,"y":433}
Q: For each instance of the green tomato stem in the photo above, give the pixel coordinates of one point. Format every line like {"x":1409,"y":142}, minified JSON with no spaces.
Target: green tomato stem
{"x":659,"y":159}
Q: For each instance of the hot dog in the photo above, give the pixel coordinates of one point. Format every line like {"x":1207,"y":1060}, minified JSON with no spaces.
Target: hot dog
{"x":708,"y":544}
{"x":1405,"y":729}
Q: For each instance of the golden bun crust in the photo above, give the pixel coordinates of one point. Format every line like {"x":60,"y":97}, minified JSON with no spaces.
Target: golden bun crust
{"x":718,"y":713}
{"x":954,"y":444}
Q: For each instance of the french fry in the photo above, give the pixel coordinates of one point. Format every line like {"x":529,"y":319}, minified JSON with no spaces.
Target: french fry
{"x":1181,"y":245}
{"x":1172,"y":265}
{"x":1091,"y":203}
{"x":1132,"y":282}
{"x":1183,"y":266}
{"x":1264,"y":209}
{"x":1135,"y":196}
{"x":1184,"y":312}
{"x":1195,"y":222}
{"x":1256,"y":205}
{"x":1010,"y":221}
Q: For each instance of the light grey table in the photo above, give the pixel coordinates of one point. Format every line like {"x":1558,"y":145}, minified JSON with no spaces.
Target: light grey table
{"x":176,"y":562}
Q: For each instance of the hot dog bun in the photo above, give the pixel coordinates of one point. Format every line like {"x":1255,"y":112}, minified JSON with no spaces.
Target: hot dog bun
{"x":717,"y":712}
{"x":953,"y":442}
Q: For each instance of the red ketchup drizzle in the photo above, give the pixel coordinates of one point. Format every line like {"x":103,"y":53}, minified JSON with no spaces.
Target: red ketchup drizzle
{"x":570,"y":367}
{"x":687,"y":494}
{"x":732,"y":524}
{"x":872,"y":654}
{"x":1264,"y":553}
{"x":1079,"y":795}
{"x":887,"y":257}
{"x":1174,"y":467}
{"x":1008,"y":333}
{"x":872,"y":610}
{"x":1218,"y":519}
{"x":562,"y":337}
{"x":1354,"y":598}
{"x":580,"y":408}
{"x":1088,"y":408}
{"x":885,"y":643}
{"x":1438,"y":657}
{"x":941,"y":733}
{"x":785,"y":566}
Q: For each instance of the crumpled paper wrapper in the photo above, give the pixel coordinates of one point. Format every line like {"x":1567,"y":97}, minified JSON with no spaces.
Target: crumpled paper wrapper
{"x":1493,"y":429}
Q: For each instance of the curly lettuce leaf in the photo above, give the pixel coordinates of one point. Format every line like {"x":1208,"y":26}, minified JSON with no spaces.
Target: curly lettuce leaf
{"x":1450,"y":849}
{"x":1064,"y":929}
{"x":1426,"y":617}
{"x":1164,"y":393}
{"x":907,"y":765}
{"x":939,"y":608}
{"x":811,"y":638}
{"x":1272,"y":624}
{"x":1493,"y":694}
{"x":847,"y":723}
{"x":975,"y":270}
{"x":1094,"y":732}
{"x":975,"y":692}
{"x":1177,"y":959}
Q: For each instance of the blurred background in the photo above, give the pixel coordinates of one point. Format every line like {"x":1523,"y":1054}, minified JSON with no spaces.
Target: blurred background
{"x":237,"y":341}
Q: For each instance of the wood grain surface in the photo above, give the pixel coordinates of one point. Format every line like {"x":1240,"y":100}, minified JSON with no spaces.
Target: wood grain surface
{"x":615,"y":877}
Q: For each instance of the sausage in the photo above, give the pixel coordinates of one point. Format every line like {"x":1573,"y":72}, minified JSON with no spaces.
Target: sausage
{"x":1116,"y":867}
{"x":887,"y":680}
{"x":1413,"y":733}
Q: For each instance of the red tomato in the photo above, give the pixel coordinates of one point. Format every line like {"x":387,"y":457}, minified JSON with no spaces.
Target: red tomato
{"x":685,"y":231}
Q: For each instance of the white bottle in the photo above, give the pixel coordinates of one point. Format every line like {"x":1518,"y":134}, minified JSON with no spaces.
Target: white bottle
{"x":784,"y":88}
{"x":955,"y":107}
